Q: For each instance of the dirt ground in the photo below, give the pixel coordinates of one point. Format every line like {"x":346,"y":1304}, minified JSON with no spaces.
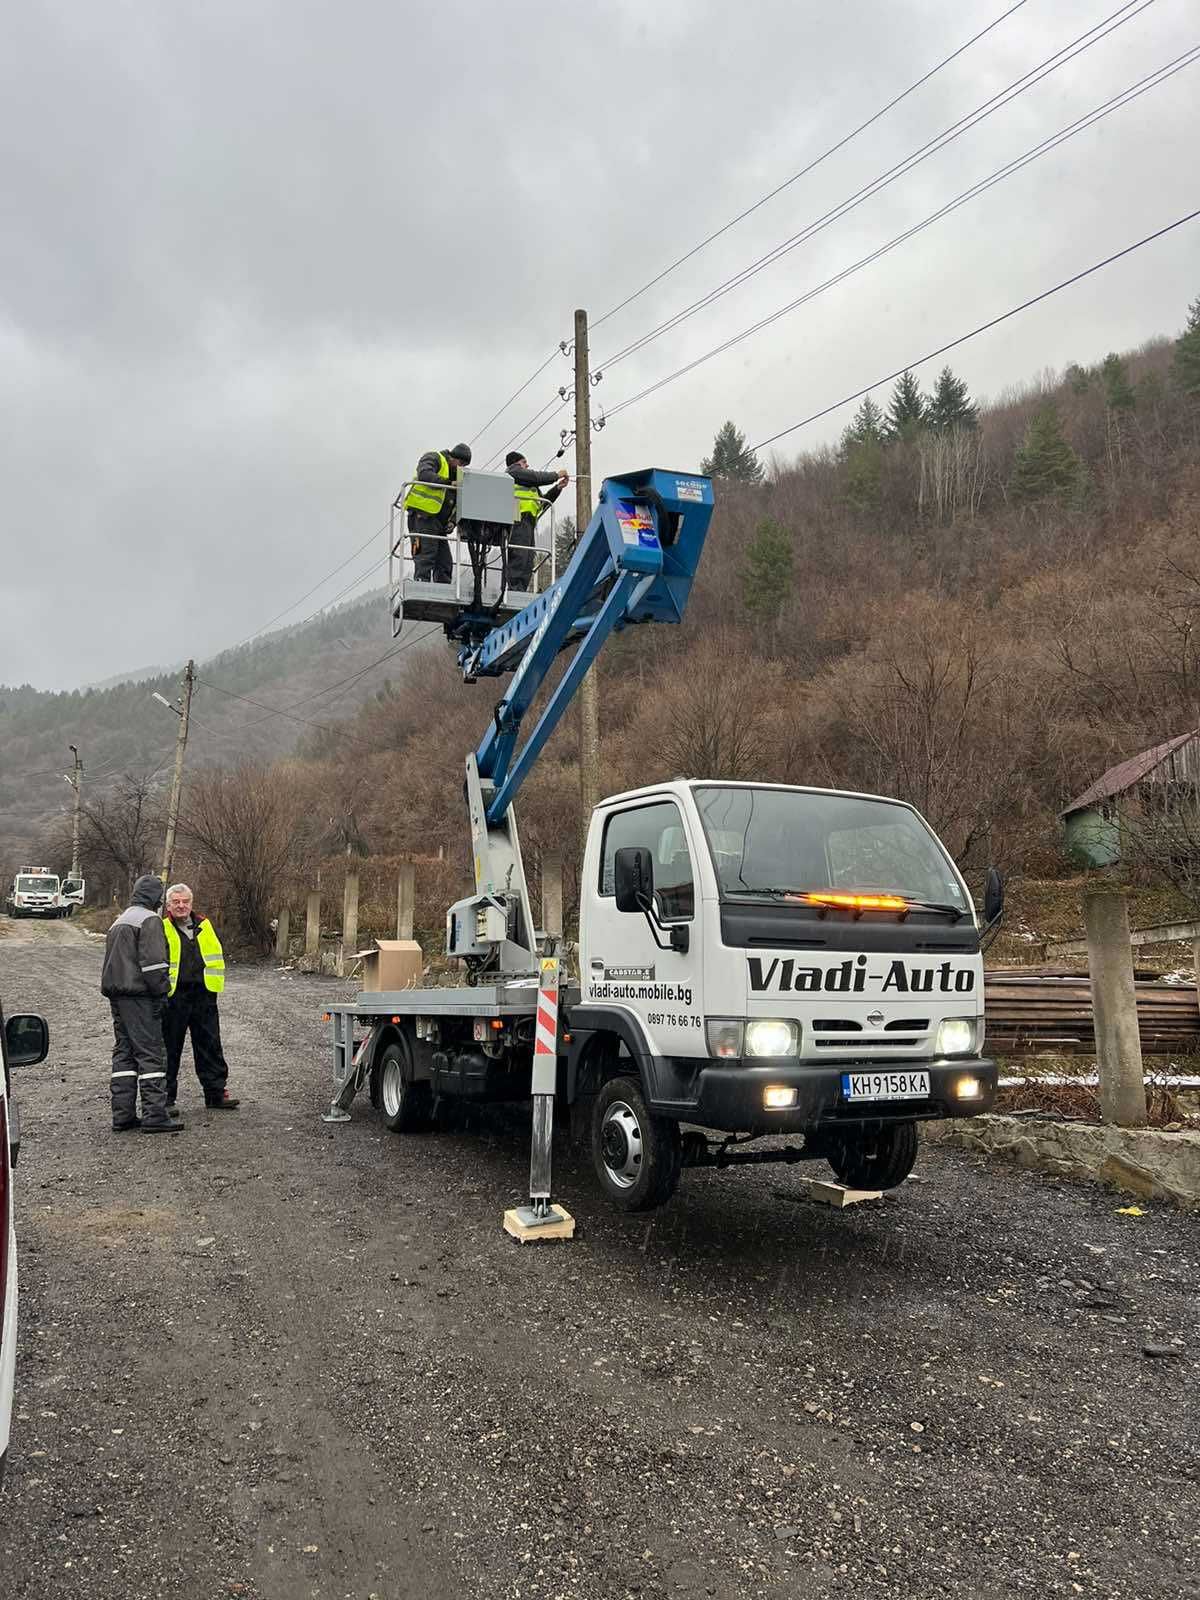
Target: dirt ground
{"x":276,"y":1359}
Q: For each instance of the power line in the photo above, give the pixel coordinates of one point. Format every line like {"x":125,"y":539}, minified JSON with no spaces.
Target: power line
{"x":811,"y":166}
{"x":1089,"y":119}
{"x":311,"y":591}
{"x":983,"y":327}
{"x":915,"y":158}
{"x":516,"y":394}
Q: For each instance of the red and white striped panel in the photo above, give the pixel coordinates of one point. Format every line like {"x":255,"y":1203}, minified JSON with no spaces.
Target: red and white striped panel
{"x":545,"y":1038}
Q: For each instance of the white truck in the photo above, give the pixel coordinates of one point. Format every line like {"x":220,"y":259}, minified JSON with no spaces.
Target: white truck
{"x":38,"y":892}
{"x":753,"y":958}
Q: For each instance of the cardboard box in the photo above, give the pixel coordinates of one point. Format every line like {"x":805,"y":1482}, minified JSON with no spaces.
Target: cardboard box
{"x":392,"y":964}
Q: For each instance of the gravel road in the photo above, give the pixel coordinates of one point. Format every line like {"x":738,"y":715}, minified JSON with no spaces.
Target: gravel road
{"x":275,"y":1359}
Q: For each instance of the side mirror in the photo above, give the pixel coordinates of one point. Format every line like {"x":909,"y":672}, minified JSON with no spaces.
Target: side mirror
{"x":27,"y":1040}
{"x":633,"y":878}
{"x":993,"y":896}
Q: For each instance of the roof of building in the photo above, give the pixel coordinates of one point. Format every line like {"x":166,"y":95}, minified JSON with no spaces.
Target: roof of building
{"x":1126,"y":773}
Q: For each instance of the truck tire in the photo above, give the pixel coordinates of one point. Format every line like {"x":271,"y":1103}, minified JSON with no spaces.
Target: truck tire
{"x":405,"y":1106}
{"x":879,"y":1159}
{"x":637,"y":1157}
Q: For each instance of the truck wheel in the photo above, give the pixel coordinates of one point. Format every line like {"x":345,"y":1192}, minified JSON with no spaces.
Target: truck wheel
{"x":637,"y":1157}
{"x":404,"y":1105}
{"x":881,"y":1159}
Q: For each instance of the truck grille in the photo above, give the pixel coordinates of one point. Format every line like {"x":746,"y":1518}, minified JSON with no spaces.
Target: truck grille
{"x":847,"y":1033}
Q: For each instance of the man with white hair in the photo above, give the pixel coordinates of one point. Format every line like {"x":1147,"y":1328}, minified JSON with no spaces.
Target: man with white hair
{"x":195,"y":977}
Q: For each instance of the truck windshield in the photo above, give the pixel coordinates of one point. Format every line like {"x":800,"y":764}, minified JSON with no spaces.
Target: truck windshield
{"x":37,"y":885}
{"x":768,"y":841}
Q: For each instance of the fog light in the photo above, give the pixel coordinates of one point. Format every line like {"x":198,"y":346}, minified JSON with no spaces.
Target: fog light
{"x":776,"y":1097}
{"x":968,"y":1088}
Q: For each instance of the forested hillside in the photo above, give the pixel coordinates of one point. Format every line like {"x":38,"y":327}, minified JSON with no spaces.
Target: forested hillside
{"x":977,"y":609}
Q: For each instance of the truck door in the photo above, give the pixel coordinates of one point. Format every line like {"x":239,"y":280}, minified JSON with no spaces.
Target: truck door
{"x":625,"y":963}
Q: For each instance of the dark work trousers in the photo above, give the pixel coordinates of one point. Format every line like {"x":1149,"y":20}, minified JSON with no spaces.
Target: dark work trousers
{"x":519,"y":574}
{"x":433,"y":562}
{"x":139,"y":1061}
{"x":193,"y":1009}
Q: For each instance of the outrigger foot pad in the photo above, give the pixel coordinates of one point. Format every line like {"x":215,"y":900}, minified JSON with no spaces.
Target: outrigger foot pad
{"x":528,"y":1226}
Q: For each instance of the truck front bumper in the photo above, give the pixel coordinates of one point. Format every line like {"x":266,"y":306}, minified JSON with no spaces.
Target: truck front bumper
{"x":730,"y":1095}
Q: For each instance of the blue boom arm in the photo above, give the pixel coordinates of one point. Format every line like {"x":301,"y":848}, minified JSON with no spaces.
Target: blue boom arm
{"x":635,"y":563}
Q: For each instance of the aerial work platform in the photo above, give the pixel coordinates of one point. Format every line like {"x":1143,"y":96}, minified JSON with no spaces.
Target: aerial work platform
{"x":477,"y":596}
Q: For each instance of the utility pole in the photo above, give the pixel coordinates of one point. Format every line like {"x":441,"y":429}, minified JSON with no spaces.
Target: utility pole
{"x":76,"y":782}
{"x":189,"y":677}
{"x":589,"y":693}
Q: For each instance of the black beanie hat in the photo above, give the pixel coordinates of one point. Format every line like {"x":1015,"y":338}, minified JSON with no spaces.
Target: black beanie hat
{"x":462,"y":452}
{"x":513,"y":457}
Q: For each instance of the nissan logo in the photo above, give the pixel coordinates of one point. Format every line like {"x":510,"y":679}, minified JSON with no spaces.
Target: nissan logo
{"x":875,"y":1018}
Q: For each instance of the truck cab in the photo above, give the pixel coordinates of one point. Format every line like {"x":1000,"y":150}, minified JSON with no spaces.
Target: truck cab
{"x":34,"y":893}
{"x":756,"y":958}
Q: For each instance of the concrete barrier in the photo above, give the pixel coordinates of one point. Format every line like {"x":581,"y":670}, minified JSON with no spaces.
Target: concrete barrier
{"x":1147,"y":1162}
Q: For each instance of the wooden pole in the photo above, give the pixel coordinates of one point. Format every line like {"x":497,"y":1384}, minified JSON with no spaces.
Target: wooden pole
{"x":312,"y":930}
{"x":189,"y":678}
{"x":589,"y":693}
{"x":282,"y":932}
{"x":349,"y":925}
{"x":405,"y":901}
{"x":1114,"y":1007}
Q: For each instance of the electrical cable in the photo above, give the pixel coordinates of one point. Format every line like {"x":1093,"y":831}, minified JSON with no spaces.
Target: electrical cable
{"x":1126,"y":96}
{"x":983,"y":327}
{"x":811,"y":166}
{"x":915,"y":158}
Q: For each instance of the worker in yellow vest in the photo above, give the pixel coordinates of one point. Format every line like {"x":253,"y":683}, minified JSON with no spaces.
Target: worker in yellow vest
{"x":432,"y":508}
{"x":195,"y":977}
{"x":531,"y":502}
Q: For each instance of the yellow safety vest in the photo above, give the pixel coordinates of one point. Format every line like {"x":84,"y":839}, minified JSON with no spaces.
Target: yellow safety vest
{"x":210,"y":949}
{"x":529,"y":503}
{"x":425,"y":497}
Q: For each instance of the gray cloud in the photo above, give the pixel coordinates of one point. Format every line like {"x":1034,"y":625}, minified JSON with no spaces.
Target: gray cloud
{"x":255,"y":257}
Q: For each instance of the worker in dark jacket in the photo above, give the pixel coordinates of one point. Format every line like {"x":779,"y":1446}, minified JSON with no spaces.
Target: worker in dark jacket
{"x":195,"y":977}
{"x":530,"y":505}
{"x":432,"y":509}
{"x":134,"y":980}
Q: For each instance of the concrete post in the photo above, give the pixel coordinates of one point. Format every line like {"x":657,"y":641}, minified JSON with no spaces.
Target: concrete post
{"x":312,"y":930}
{"x":1114,"y":1008}
{"x":349,"y":925}
{"x":282,"y":932}
{"x":406,"y":898}
{"x":552,"y":894}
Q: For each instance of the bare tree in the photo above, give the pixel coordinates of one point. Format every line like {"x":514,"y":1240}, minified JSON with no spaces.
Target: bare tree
{"x":243,"y":821}
{"x":120,"y":831}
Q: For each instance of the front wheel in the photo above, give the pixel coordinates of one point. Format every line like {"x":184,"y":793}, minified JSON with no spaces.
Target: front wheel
{"x":879,"y":1159}
{"x":406,"y":1106}
{"x":637,"y":1156}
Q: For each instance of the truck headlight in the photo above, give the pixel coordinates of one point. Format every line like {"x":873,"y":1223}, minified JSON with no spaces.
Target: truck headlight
{"x":956,"y":1036}
{"x":772,"y":1036}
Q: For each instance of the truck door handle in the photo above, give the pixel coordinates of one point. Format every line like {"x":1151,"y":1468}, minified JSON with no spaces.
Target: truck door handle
{"x":597,"y":961}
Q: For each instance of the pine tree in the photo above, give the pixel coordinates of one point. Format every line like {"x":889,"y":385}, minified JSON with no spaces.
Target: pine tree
{"x":1078,"y":377}
{"x":866,"y":426}
{"x":951,"y":405}
{"x":907,"y":409}
{"x":1185,"y":364}
{"x":1118,"y":391}
{"x":864,"y":475}
{"x":767,"y":576}
{"x":1045,"y":464}
{"x":731,"y":459}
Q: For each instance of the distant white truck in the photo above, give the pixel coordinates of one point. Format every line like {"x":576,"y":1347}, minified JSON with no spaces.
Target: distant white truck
{"x":38,"y":892}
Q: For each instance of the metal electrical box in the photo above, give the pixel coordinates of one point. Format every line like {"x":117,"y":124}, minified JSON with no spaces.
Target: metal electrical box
{"x":486,"y":497}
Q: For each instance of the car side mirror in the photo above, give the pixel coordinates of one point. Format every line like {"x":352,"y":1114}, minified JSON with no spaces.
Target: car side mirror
{"x":993,"y":896}
{"x":27,"y":1040}
{"x":633,"y":878}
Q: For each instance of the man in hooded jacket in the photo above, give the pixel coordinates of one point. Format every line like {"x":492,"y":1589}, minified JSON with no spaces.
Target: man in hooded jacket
{"x":134,"y":980}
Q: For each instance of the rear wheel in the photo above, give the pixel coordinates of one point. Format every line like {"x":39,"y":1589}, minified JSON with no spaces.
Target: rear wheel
{"x":406,"y":1107}
{"x":636,"y":1156}
{"x":880,"y":1158}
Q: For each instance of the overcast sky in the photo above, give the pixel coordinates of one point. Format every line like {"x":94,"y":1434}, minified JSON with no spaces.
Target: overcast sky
{"x":256,"y":256}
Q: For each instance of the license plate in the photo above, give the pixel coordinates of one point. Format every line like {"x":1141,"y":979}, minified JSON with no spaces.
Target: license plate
{"x":885,"y":1085}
